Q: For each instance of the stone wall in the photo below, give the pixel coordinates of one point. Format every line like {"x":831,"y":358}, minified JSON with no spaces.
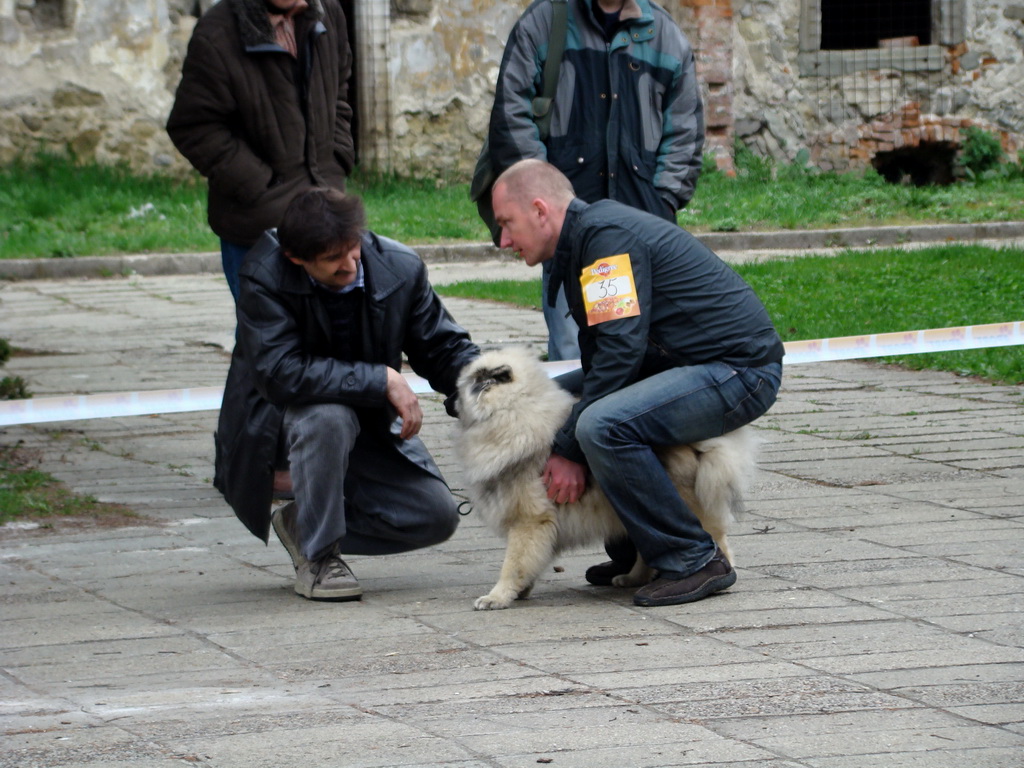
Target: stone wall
{"x":97,"y":77}
{"x":442,"y":68}
{"x":845,"y":118}
{"x":93,"y":77}
{"x":769,"y":112}
{"x":445,"y":61}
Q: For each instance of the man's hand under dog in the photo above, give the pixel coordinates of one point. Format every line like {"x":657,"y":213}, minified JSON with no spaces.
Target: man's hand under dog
{"x":565,"y":480}
{"x":405,"y":402}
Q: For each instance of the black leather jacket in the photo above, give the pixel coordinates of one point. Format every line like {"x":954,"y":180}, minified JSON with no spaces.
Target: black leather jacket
{"x":693,"y":308}
{"x":282,"y":356}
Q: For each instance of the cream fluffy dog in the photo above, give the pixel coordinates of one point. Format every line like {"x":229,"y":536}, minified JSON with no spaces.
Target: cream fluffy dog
{"x":509,"y":411}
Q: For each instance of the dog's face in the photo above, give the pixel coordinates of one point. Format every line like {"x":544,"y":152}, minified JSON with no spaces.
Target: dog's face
{"x":479,"y":386}
{"x":503,"y":381}
{"x":509,"y":411}
{"x":485,"y":377}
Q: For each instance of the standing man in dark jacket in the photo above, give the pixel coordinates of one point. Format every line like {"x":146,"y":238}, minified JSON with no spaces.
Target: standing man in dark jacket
{"x":627,"y":122}
{"x":262,"y":112}
{"x":676,"y":348}
{"x":325,"y":312}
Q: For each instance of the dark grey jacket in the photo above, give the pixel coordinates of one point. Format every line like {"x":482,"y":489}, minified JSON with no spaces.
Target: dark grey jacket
{"x":694,"y":308}
{"x":259,"y":125}
{"x":283,"y":356}
{"x":627,"y":119}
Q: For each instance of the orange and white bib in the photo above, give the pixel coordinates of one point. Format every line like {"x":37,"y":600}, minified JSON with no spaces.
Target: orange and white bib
{"x":609,"y":292}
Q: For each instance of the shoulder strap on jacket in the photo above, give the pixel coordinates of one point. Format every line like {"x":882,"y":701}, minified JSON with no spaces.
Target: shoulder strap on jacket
{"x":556,"y":47}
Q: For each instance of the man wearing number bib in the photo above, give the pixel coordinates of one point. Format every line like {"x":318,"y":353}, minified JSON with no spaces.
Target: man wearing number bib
{"x":675,"y":348}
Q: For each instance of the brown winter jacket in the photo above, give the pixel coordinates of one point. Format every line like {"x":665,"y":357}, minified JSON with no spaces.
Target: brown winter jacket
{"x":259,"y":125}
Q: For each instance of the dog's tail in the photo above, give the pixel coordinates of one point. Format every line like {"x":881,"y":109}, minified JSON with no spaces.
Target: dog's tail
{"x":725,"y":470}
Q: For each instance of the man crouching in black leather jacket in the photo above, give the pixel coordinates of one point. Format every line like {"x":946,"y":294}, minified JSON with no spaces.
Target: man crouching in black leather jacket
{"x":326,"y":310}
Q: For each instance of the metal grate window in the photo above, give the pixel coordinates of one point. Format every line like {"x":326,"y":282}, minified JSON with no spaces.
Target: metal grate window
{"x":871,"y":57}
{"x":856,"y":24}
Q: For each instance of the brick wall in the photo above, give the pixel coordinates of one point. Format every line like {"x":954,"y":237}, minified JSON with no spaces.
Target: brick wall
{"x":713,"y":47}
{"x":855,"y":147}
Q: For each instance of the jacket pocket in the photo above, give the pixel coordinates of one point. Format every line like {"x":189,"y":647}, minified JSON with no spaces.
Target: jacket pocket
{"x":636,"y":184}
{"x":584,"y":167}
{"x":641,"y":164}
{"x":571,"y":159}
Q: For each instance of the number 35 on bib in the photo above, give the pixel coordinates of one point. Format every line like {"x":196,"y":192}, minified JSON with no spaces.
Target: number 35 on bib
{"x":609,"y":292}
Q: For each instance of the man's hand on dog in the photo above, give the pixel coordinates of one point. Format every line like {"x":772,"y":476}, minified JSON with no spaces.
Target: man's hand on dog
{"x":405,"y":402}
{"x":565,"y":480}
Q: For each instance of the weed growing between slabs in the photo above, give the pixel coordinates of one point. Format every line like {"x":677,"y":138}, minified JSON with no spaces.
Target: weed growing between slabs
{"x":862,"y":292}
{"x":29,"y":495}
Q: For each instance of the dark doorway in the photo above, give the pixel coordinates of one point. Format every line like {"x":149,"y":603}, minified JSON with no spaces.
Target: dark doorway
{"x":49,"y":14}
{"x":928,"y":163}
{"x":859,"y":24}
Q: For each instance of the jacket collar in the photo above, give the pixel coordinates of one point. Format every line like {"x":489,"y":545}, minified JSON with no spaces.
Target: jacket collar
{"x":268,"y":265}
{"x":381,"y":278}
{"x":633,"y":11}
{"x":563,"y":249}
{"x":254,"y":26}
{"x":637,"y":18}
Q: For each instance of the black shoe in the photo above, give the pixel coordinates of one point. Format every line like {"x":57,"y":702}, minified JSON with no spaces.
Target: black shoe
{"x":621,"y":549}
{"x":601,"y":575}
{"x":717,"y":575}
{"x":623,"y":555}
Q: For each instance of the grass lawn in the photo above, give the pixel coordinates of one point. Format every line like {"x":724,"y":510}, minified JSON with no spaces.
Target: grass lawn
{"x":52,"y":208}
{"x":861,"y":292}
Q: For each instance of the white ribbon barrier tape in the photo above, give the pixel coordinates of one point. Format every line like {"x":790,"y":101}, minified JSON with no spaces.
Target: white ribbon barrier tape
{"x":71,"y":407}
{"x":905,"y":343}
{"x":38,"y":410}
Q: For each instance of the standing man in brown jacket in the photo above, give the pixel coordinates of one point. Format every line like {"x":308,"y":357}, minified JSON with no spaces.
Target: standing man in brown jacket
{"x":262,"y":112}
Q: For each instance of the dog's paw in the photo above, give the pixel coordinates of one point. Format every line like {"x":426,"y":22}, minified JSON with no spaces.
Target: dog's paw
{"x":637,"y":577}
{"x":491,"y":603}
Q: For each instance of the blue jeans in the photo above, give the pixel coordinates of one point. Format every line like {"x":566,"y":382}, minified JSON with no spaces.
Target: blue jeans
{"x":563,"y":333}
{"x":682,"y":405}
{"x":231,"y":257}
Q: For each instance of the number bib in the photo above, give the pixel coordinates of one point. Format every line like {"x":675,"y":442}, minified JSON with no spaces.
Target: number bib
{"x":608,"y":289}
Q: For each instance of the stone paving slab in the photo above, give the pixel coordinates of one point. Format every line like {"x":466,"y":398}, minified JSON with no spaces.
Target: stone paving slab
{"x":877,"y":620}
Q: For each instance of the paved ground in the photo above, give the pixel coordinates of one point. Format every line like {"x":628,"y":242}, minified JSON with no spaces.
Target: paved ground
{"x":876,"y":622}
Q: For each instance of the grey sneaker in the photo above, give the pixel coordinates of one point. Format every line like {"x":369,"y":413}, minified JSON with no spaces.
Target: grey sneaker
{"x":285,"y":522}
{"x":328,"y":578}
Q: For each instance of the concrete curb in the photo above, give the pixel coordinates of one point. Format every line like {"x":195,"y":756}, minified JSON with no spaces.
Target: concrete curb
{"x":790,"y":240}
{"x":861,"y":237}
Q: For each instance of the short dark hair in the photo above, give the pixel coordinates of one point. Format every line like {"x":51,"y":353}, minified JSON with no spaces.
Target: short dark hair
{"x":319,"y":221}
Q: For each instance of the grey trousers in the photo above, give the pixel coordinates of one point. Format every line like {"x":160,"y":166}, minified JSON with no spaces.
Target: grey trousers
{"x":360,"y":487}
